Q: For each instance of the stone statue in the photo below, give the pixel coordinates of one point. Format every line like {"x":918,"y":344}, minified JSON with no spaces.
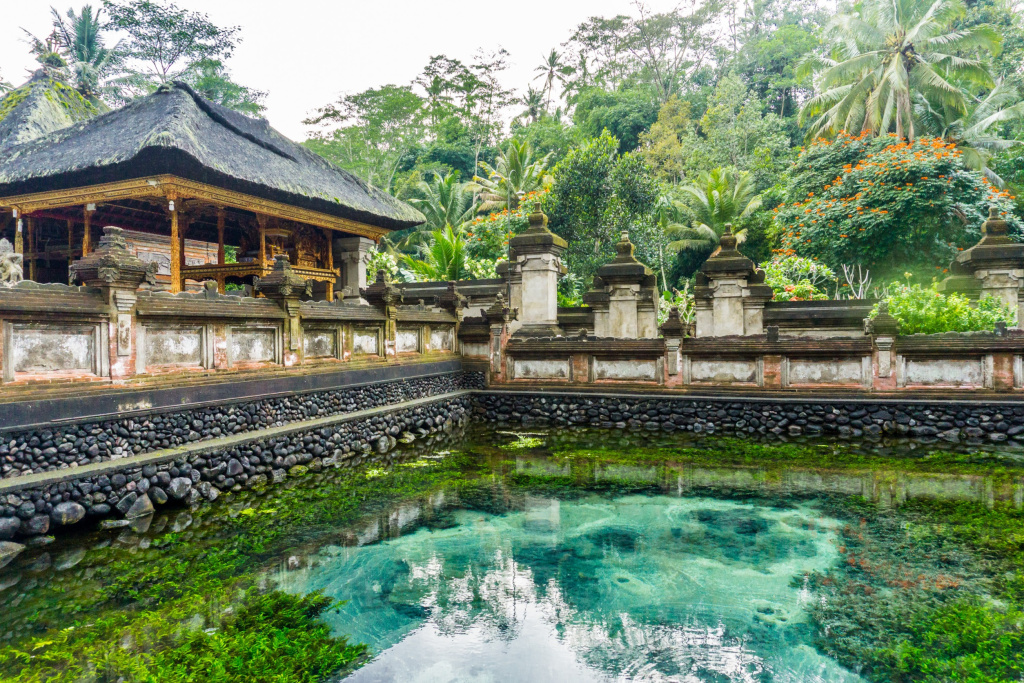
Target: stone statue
{"x":10,"y":264}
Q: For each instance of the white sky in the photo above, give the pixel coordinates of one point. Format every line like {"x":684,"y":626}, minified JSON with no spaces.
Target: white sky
{"x":304,"y":53}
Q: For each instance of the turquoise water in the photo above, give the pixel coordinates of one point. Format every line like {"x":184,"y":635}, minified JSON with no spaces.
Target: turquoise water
{"x":560,"y":556}
{"x":597,"y":588}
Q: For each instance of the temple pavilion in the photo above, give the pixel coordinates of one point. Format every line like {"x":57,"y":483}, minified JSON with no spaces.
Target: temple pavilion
{"x":203,"y":191}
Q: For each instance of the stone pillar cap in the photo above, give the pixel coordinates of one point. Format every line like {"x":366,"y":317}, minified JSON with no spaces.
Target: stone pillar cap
{"x":624,"y":268}
{"x":537,"y":239}
{"x":112,"y":264}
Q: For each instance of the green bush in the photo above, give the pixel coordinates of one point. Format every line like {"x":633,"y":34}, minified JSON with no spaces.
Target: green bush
{"x":924,"y":310}
{"x":793,"y":278}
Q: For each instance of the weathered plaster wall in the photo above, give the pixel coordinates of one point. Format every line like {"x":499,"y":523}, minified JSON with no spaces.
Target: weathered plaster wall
{"x":626,"y":370}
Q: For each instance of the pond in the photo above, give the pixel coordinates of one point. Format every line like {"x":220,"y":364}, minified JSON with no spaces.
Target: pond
{"x":554,"y":556}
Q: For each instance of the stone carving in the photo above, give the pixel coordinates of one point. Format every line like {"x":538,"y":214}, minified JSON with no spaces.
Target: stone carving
{"x":10,"y":264}
{"x":162,"y":261}
{"x":113,"y":265}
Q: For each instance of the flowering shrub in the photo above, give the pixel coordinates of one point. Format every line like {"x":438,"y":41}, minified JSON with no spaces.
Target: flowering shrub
{"x":487,"y":236}
{"x":794,"y":278}
{"x":381,"y":260}
{"x":923,"y":310}
{"x":481,"y":269}
{"x":886,"y":204}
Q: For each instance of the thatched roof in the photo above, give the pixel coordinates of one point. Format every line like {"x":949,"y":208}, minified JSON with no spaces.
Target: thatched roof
{"x":39,"y":107}
{"x":175,"y":131}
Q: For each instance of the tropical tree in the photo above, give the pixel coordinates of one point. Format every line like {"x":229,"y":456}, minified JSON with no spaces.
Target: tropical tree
{"x":371,"y":132}
{"x":211,"y":80}
{"x":886,"y":54}
{"x":551,"y":70}
{"x":533,"y":100}
{"x":89,"y":60}
{"x":163,"y":43}
{"x":975,"y":133}
{"x":444,"y":201}
{"x":514,"y":174}
{"x":445,"y":259}
{"x":718,"y":198}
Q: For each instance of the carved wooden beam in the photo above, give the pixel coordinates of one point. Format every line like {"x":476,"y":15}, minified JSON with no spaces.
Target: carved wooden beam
{"x":163,"y":186}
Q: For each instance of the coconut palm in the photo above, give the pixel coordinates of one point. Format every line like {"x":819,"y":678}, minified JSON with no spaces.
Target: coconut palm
{"x":444,"y":201}
{"x":444,"y":259}
{"x":886,"y":54}
{"x":513,"y":175}
{"x":88,"y":59}
{"x":717,"y":198}
{"x":973,"y":133}
{"x":533,"y":100}
{"x":551,"y":70}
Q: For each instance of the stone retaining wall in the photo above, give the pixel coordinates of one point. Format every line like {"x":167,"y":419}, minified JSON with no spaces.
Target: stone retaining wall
{"x":972,"y":422}
{"x":51,"y":449}
{"x":133,"y":492}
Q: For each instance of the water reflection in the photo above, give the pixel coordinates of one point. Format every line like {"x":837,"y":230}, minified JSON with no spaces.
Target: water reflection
{"x":647,"y":588}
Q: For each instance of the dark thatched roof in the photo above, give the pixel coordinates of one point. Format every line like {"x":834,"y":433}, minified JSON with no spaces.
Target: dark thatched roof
{"x":175,"y":131}
{"x":41,"y":106}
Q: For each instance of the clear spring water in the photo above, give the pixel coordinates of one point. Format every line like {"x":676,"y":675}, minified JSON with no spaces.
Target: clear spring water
{"x":563,"y":556}
{"x":599,"y":588}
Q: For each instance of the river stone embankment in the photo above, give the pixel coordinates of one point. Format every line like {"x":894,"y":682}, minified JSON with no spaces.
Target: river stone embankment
{"x":134,"y":492}
{"x":51,"y":449}
{"x":846,"y":419}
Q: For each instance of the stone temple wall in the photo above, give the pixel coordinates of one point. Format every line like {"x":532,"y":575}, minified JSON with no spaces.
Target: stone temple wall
{"x":53,"y":448}
{"x":972,"y":422}
{"x":130,"y":493}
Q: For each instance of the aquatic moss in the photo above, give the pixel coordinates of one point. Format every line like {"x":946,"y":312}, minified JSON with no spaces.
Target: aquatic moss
{"x":139,"y":614}
{"x":931,"y":591}
{"x":271,"y":636}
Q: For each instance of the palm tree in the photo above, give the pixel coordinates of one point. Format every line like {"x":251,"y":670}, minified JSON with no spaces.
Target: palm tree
{"x":551,"y":70}
{"x":444,"y":259}
{"x":533,"y":100}
{"x":972,"y":132}
{"x":89,"y":60}
{"x":886,"y":54}
{"x":718,"y":198}
{"x":444,"y":201}
{"x":514,"y":174}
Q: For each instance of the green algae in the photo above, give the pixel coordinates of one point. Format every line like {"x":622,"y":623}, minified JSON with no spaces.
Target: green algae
{"x":929,"y":586}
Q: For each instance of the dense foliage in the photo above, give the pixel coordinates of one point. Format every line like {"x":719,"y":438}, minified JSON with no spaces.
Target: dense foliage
{"x":923,"y":310}
{"x":887,"y":204}
{"x":667,"y":125}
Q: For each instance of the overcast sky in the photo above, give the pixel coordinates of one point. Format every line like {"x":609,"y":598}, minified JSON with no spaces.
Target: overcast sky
{"x":304,"y":53}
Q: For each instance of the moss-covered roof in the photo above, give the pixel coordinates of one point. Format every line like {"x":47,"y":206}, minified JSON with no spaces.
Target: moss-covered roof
{"x":41,"y":106}
{"x":175,"y":131}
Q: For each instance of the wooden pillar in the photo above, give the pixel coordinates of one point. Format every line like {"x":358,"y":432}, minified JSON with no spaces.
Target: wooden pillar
{"x":220,"y":237}
{"x":175,"y":252}
{"x":220,"y":247}
{"x":183,"y":228}
{"x":330,"y":264}
{"x":262,"y":221}
{"x":71,"y":242}
{"x":30,"y":225}
{"x":87,"y":236}
{"x":19,"y":238}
